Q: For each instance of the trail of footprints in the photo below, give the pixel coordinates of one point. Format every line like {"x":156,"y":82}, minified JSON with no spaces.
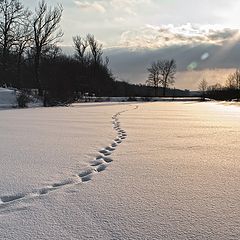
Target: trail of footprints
{"x":99,"y":164}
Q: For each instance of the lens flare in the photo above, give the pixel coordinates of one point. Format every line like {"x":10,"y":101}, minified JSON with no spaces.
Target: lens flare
{"x":205,"y":56}
{"x":192,"y":66}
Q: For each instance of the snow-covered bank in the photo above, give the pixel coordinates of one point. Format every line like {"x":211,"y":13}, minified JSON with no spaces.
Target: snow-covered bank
{"x":174,"y":176}
{"x":8,"y":98}
{"x":142,"y":99}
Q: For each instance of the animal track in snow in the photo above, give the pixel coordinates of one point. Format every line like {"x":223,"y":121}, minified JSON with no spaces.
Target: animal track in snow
{"x":11,"y":198}
{"x":99,"y":164}
{"x":101,"y":167}
{"x":87,"y":174}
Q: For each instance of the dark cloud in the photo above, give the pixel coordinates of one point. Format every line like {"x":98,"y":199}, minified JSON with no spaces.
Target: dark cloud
{"x":131,"y":65}
{"x":222,"y":35}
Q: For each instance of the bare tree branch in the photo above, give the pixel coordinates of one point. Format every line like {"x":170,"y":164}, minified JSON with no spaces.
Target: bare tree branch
{"x":80,"y":46}
{"x":12,"y":16}
{"x":46,"y":32}
{"x":96,"y":49}
{"x":162,"y":73}
{"x":233,"y":80}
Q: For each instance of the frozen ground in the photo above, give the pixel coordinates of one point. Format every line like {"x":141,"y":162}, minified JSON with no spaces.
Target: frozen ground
{"x":164,"y":171}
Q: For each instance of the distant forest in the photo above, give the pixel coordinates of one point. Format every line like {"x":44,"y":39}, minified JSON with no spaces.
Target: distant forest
{"x":227,"y":92}
{"x":31,"y":59}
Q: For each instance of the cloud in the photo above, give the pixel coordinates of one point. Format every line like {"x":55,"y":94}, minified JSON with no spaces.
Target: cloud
{"x":151,"y":36}
{"x":210,"y":61}
{"x":85,"y":5}
{"x":119,"y":19}
{"x":128,"y":6}
{"x":123,"y":6}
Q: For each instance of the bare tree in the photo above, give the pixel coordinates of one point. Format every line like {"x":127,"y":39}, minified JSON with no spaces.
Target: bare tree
{"x":203,"y":85}
{"x":236,"y":77}
{"x":167,"y":69}
{"x":215,"y":87}
{"x":96,"y":49}
{"x":80,"y":46}
{"x":12,"y":15}
{"x":24,"y":39}
{"x":95,"y":58}
{"x":162,"y":73}
{"x":46,"y":33}
{"x":52,"y":52}
{"x":154,"y":77}
{"x":233,"y":80}
{"x":107,"y":60}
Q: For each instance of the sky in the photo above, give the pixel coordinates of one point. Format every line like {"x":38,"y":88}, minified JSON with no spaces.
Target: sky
{"x":203,"y":36}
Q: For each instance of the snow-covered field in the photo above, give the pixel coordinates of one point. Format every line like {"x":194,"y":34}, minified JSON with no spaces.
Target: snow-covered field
{"x":166,"y":170}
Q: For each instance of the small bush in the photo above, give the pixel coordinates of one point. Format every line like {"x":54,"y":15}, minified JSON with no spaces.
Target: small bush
{"x":131,"y":99}
{"x":23,"y":99}
{"x":146,"y":99}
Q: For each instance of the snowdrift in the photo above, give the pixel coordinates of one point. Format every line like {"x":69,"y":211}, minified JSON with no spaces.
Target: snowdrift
{"x":8,"y":98}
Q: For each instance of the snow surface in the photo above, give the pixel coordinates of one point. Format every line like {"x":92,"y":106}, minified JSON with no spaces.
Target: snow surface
{"x":164,"y":170}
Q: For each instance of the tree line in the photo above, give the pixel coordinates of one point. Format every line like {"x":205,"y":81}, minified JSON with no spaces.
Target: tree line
{"x":228,"y":91}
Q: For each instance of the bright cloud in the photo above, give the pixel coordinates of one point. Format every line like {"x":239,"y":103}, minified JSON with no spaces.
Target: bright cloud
{"x":128,"y":6}
{"x":96,"y":6}
{"x":166,"y":35}
{"x":123,"y":6}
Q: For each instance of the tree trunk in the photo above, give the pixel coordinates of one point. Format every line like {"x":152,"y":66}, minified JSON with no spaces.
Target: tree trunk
{"x":37,"y":74}
{"x":164,"y":90}
{"x":4,"y":64}
{"x":156,"y":91}
{"x":19,"y":71}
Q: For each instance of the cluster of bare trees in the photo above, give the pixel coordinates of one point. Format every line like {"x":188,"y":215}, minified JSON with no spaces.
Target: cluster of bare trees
{"x":89,"y":51}
{"x":161,"y":73}
{"x":13,"y":29}
{"x":24,"y":32}
{"x":30,"y":56}
{"x":233,"y":80}
{"x":231,"y":89}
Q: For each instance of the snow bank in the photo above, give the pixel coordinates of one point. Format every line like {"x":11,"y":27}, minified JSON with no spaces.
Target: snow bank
{"x":7,"y":98}
{"x":141,"y":99}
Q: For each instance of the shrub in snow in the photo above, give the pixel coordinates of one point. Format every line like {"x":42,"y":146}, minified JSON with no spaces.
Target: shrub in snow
{"x":146,"y":99}
{"x":131,"y":99}
{"x":23,"y":99}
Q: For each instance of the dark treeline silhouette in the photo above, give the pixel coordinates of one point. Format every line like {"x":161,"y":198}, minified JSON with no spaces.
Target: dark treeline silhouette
{"x":223,"y":94}
{"x":138,"y":90}
{"x":229,"y":91}
{"x":31,"y":59}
